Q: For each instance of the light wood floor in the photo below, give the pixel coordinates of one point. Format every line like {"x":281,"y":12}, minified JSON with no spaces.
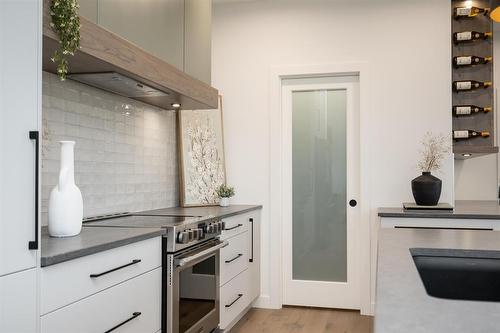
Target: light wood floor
{"x":303,"y":320}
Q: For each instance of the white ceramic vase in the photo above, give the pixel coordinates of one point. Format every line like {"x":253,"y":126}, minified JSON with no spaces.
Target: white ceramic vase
{"x":66,"y":203}
{"x":224,"y":202}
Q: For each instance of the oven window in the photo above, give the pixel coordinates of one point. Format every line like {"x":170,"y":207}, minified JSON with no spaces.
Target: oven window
{"x":198,"y":287}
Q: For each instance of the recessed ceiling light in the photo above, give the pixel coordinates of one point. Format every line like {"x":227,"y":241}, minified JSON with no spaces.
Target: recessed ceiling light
{"x":466,"y":155}
{"x":176,"y":105}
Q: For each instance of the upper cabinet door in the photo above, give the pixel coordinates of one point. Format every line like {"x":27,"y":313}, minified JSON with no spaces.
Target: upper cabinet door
{"x":198,"y":39}
{"x":20,"y":99}
{"x":157,"y":26}
{"x":88,"y":9}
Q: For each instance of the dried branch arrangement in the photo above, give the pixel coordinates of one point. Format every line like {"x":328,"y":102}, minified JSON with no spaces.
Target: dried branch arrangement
{"x":435,"y":149}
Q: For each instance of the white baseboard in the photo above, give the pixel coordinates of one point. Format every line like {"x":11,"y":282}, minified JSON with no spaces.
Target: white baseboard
{"x":264,"y":302}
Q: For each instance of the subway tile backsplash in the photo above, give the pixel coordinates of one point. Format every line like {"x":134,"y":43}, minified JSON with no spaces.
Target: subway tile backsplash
{"x":125,"y":152}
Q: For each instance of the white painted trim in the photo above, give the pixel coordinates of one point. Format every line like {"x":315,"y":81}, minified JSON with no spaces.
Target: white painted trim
{"x":274,"y":228}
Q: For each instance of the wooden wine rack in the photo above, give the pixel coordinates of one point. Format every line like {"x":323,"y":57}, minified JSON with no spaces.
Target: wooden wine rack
{"x":481,"y":97}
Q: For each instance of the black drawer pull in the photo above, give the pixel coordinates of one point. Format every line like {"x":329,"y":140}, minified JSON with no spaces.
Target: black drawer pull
{"x":135,"y":261}
{"x":235,"y":227}
{"x":236,"y":300}
{"x":134,"y":315}
{"x":251,"y":221}
{"x":34,"y":135}
{"x":231,"y":260}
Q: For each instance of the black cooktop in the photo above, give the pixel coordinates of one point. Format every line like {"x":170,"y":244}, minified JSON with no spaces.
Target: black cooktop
{"x":136,"y":221}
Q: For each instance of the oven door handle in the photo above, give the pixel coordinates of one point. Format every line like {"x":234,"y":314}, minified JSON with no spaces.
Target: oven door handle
{"x":187,"y":260}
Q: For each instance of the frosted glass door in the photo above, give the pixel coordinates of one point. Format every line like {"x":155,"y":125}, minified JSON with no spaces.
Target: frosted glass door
{"x":320,"y":177}
{"x":319,"y":185}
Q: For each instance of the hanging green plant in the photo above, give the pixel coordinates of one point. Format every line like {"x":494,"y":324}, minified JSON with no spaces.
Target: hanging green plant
{"x":66,"y":23}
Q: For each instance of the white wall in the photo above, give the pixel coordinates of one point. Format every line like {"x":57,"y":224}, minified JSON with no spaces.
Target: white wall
{"x":405,"y":42}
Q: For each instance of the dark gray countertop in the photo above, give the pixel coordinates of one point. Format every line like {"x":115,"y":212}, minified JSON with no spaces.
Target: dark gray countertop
{"x":207,"y":212}
{"x":464,"y":209}
{"x":90,"y":241}
{"x":402,"y":304}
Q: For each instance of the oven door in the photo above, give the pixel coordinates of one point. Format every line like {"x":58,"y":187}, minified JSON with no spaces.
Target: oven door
{"x":193,"y":289}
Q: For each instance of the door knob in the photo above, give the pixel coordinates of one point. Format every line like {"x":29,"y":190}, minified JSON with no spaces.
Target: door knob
{"x":353,"y":203}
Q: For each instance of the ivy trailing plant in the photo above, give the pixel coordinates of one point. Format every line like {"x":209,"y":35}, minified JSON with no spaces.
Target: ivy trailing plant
{"x":66,"y":23}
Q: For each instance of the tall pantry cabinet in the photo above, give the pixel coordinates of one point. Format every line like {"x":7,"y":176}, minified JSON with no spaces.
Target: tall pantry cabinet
{"x":20,"y":114}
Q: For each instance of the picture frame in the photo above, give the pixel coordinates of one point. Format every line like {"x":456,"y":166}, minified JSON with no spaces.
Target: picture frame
{"x":202,"y":166}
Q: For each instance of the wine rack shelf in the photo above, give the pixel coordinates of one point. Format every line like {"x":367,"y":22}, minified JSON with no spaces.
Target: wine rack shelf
{"x":483,"y":72}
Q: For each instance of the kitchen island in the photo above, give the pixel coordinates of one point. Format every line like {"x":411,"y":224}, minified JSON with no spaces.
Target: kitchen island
{"x":402,"y":303}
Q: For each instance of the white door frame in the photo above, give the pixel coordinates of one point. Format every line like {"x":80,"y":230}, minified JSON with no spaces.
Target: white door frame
{"x":275,"y":234}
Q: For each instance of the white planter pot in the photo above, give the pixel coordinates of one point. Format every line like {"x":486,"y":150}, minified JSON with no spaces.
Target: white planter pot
{"x":66,"y":203}
{"x":224,"y":202}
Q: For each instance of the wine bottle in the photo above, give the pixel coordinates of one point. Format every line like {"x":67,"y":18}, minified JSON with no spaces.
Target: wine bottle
{"x":469,"y":85}
{"x":464,"y":110}
{"x":469,"y":134}
{"x":463,"y":12}
{"x":462,"y":61}
{"x":467,"y":36}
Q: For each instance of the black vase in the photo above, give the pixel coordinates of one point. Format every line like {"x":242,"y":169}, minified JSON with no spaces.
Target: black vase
{"x":426,"y":189}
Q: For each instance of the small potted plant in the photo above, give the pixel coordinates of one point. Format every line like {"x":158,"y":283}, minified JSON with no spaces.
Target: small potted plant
{"x":427,"y":188}
{"x":224,"y":192}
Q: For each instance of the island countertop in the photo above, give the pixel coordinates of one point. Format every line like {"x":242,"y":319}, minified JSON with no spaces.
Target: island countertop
{"x":402,"y":303}
{"x":463,"y":209}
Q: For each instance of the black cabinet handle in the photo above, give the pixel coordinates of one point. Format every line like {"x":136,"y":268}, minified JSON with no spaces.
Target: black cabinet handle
{"x":251,"y":241}
{"x":353,"y":203}
{"x":235,"y":227}
{"x":33,"y":245}
{"x":134,"y":315}
{"x":135,"y":261}
{"x":236,"y":300}
{"x":231,"y":260}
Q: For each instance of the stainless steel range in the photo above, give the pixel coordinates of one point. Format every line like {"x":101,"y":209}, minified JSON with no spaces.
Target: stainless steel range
{"x":191,"y":273}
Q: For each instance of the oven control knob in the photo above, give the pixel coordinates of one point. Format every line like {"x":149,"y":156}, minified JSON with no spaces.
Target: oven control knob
{"x":216,"y":228}
{"x":223,"y":225}
{"x":200,"y":233}
{"x":183,"y":237}
{"x":210,"y":229}
{"x":195,"y":234}
{"x":220,"y":224}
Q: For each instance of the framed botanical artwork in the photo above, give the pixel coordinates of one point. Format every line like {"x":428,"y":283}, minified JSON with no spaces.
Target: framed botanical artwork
{"x":201,"y":156}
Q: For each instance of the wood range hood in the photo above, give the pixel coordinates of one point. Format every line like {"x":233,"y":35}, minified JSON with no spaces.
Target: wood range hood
{"x":104,"y":52}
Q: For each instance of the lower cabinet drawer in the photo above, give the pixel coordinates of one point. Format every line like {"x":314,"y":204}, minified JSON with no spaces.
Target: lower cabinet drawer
{"x":234,"y":257}
{"x":234,"y":299}
{"x":70,"y":281}
{"x":136,"y":304}
{"x":235,"y":225}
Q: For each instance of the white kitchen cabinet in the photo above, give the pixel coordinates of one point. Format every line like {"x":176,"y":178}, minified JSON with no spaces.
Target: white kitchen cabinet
{"x":88,"y":9}
{"x":234,"y":257}
{"x":157,"y":26}
{"x":439,"y":223}
{"x":20,"y":105}
{"x":135,"y":303}
{"x":234,"y":299}
{"x":18,"y":302}
{"x":198,"y":39}
{"x":240,"y":281}
{"x":70,"y":281}
{"x":20,"y":99}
